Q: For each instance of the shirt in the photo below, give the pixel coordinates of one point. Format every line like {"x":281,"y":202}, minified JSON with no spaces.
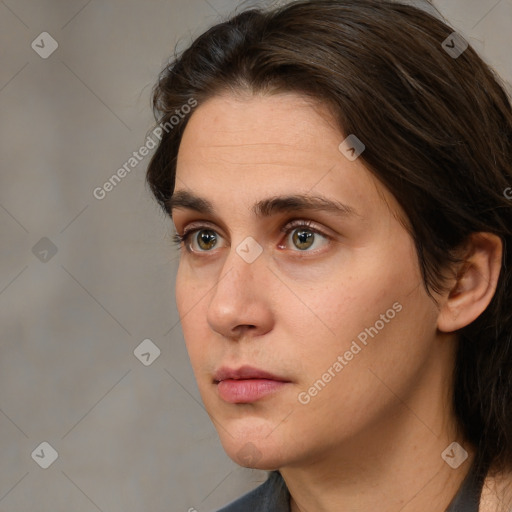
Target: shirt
{"x":273,"y":496}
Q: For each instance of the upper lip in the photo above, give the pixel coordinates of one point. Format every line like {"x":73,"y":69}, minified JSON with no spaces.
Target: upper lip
{"x":244,"y":372}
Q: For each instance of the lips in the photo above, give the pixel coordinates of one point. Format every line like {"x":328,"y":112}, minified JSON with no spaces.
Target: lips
{"x":246,"y":384}
{"x":244,"y":372}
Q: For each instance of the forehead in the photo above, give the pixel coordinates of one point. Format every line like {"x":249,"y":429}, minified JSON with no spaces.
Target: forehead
{"x":238,"y":148}
{"x":253,"y":125}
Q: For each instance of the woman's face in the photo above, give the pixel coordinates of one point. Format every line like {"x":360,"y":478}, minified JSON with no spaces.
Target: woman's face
{"x":335,"y":309}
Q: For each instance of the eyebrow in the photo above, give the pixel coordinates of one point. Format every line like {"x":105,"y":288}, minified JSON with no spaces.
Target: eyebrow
{"x":266,"y":207}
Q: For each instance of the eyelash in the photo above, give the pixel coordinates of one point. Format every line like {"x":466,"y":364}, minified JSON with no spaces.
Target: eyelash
{"x":287,"y":229}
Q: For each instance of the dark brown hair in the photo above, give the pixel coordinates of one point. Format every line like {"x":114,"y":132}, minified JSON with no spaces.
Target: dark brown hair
{"x":437,"y":130}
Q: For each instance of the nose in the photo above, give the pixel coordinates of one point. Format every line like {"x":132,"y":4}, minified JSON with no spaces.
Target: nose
{"x":241,"y":302}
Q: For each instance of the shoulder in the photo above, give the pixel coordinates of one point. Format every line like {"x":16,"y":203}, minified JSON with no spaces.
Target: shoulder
{"x":271,"y":496}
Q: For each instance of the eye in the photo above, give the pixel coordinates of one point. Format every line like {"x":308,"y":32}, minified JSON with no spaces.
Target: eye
{"x":303,"y":237}
{"x":207,"y":239}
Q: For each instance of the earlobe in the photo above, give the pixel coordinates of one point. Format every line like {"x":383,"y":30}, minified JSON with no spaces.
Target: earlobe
{"x":475,"y":283}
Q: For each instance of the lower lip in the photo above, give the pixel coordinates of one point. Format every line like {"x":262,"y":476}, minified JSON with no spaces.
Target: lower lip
{"x":247,"y":390}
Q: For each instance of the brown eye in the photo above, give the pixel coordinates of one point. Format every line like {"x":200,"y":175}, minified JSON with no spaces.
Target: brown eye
{"x":303,"y":239}
{"x":304,"y":235}
{"x":206,"y":239}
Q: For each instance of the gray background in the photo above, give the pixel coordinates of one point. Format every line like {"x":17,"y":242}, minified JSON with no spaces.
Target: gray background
{"x":129,"y":437}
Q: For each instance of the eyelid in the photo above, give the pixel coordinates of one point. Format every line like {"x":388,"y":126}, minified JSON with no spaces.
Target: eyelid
{"x":194,"y":226}
{"x":299,"y":223}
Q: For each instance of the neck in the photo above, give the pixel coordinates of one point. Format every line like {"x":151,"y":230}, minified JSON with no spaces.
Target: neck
{"x":414,"y":480}
{"x":395,"y":464}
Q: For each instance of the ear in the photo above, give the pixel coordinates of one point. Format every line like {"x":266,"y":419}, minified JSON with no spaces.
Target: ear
{"x":475,"y":283}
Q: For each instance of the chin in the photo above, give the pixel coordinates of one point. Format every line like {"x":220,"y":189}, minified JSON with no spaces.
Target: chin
{"x":254,"y":451}
{"x":251,"y":455}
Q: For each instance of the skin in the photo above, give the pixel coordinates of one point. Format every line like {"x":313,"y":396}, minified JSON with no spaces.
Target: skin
{"x":375,"y":433}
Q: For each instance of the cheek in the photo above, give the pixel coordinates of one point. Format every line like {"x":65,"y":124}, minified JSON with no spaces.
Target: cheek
{"x":183,"y":292}
{"x":191,"y":304}
{"x":362,"y":387}
{"x":379,"y":346}
{"x":354,"y":296}
{"x":191,"y":292}
{"x":369,"y":309}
